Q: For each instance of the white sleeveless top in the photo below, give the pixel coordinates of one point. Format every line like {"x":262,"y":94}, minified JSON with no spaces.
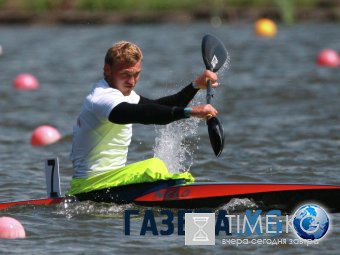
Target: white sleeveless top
{"x":99,"y":145}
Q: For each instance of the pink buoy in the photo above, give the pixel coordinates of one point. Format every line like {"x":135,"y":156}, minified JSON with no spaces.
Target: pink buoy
{"x":25,"y":81}
{"x":328,"y":57}
{"x":11,"y":228}
{"x":45,"y":135}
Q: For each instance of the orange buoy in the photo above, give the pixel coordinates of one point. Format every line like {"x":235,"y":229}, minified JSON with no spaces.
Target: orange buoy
{"x":11,"y":228}
{"x":265,"y":28}
{"x":328,"y":57}
{"x":45,"y":135}
{"x":25,"y":81}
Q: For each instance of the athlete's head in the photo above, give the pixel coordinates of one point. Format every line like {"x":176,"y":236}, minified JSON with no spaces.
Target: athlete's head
{"x":123,"y":64}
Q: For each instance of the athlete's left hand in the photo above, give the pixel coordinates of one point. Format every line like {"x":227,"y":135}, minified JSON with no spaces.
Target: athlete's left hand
{"x":201,"y":81}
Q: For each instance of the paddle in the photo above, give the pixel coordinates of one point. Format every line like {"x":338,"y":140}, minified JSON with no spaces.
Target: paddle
{"x":214,"y":56}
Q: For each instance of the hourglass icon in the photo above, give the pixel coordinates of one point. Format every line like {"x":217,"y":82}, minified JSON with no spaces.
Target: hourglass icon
{"x":200,"y":235}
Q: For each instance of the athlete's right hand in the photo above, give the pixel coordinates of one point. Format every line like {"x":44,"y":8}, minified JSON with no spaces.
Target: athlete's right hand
{"x":203,"y":111}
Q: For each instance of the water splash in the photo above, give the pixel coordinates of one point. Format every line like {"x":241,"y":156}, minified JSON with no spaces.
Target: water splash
{"x":176,"y":143}
{"x":172,"y":144}
{"x":78,"y":209}
{"x":239,"y":204}
{"x":225,"y":67}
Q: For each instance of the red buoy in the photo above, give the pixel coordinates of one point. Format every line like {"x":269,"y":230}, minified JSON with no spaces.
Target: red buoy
{"x":45,"y":135}
{"x":328,"y":57}
{"x":11,"y":228}
{"x":25,"y":81}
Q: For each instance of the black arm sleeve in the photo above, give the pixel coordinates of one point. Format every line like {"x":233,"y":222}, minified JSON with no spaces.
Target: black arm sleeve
{"x":126,"y":113}
{"x":181,"y":98}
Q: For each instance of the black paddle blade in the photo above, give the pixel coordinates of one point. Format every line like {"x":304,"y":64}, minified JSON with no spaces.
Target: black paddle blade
{"x":214,"y":53}
{"x":216,"y":135}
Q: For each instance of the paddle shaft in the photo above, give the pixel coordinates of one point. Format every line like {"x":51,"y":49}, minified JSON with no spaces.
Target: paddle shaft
{"x":209,"y":90}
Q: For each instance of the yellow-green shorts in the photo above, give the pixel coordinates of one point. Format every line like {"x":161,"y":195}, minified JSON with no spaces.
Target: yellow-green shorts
{"x":149,"y":170}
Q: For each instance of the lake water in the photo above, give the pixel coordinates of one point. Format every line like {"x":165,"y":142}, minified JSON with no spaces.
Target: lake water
{"x":280,"y":112}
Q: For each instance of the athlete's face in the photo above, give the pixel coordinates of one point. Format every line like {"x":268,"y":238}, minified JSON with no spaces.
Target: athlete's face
{"x":123,"y":77}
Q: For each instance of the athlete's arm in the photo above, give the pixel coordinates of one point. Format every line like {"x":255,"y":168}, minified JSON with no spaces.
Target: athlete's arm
{"x":181,"y":98}
{"x":167,"y":109}
{"x":126,"y":113}
{"x":148,"y":113}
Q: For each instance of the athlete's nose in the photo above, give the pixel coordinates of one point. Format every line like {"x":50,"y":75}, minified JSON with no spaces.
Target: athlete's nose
{"x":132,"y":80}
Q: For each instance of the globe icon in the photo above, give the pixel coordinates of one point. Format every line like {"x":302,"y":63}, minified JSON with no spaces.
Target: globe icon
{"x":311,"y":222}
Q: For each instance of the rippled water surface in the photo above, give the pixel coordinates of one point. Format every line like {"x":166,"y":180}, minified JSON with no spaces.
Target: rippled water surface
{"x":280,"y":113}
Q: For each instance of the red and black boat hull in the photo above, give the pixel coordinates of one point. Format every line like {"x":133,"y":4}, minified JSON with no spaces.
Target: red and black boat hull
{"x":176,"y":194}
{"x":285,"y":197}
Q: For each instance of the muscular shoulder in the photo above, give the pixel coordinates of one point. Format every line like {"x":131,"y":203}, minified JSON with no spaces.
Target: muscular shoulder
{"x":101,"y":90}
{"x":103,"y":98}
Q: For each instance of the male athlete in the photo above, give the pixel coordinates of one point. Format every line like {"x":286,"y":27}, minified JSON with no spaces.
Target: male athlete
{"x":103,"y":131}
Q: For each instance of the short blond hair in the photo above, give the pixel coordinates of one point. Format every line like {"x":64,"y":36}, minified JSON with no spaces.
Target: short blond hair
{"x":123,"y":53}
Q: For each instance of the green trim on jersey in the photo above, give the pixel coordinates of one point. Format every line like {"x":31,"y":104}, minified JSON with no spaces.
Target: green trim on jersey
{"x":149,"y":170}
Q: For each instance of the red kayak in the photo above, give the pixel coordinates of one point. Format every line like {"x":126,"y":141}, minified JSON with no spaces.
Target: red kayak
{"x":267,"y":196}
{"x":177,"y":194}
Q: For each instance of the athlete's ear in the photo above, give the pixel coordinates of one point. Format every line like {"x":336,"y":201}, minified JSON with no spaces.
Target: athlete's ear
{"x":107,"y":70}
